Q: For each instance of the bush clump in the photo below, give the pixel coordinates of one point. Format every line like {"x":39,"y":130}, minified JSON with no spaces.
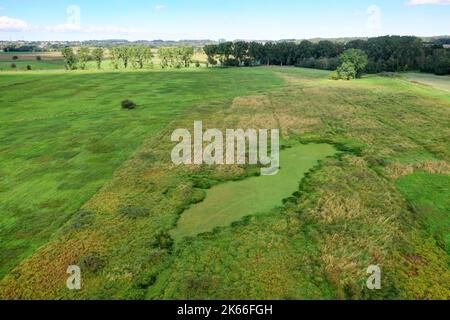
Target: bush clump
{"x":92,"y":263}
{"x":128,"y":104}
{"x":134,"y":213}
{"x":28,"y":67}
{"x":163,"y":241}
{"x":81,"y":219}
{"x":15,"y":58}
{"x":13,"y":65}
{"x":353,"y":62}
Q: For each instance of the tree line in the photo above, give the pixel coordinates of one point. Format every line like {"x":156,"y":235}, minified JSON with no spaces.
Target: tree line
{"x":176,"y":57}
{"x":136,"y":57}
{"x":128,"y":57}
{"x":388,"y":53}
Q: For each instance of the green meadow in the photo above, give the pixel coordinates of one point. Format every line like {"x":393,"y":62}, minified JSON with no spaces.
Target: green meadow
{"x":363,"y":181}
{"x":63,"y":136}
{"x":440,"y":82}
{"x":21,"y":65}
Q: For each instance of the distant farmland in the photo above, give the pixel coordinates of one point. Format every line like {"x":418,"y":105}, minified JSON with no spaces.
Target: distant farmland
{"x":47,"y":61}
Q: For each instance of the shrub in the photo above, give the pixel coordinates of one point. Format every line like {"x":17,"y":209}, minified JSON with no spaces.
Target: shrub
{"x":38,"y":58}
{"x":197,"y":64}
{"x":346,"y":71}
{"x":163,"y":241}
{"x":128,"y":104}
{"x":13,"y":65}
{"x":334,"y":75}
{"x":145,"y":280}
{"x":357,"y":59}
{"x":92,"y":263}
{"x":134,"y":213}
{"x":15,"y":58}
{"x":80,"y":220}
{"x":28,"y":67}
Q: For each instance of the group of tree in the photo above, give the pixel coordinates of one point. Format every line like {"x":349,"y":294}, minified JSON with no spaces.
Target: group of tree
{"x":123,"y":56}
{"x":79,"y":59}
{"x":136,"y":57}
{"x":176,"y":57}
{"x":388,"y":53}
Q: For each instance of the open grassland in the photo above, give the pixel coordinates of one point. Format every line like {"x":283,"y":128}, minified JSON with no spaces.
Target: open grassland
{"x":440,"y":82}
{"x":355,"y":209}
{"x":63,"y":135}
{"x":429,"y":196}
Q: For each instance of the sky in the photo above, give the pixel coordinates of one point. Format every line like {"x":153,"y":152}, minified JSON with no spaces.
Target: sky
{"x":220,"y":19}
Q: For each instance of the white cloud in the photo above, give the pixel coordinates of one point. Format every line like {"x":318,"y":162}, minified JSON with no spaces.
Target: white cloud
{"x":160,"y":7}
{"x":427,"y":2}
{"x":12,"y":24}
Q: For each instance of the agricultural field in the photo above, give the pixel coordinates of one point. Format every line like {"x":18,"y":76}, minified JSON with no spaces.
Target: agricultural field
{"x":47,"y":61}
{"x":364,"y":180}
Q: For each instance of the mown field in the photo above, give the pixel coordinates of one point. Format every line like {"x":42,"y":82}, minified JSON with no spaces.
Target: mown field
{"x":48,"y":61}
{"x":84,"y":182}
{"x":440,"y":82}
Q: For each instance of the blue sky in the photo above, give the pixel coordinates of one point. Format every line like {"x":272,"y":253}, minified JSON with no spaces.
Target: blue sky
{"x":214,"y":19}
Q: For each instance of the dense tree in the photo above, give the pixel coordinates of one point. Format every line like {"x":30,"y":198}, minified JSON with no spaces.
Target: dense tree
{"x":256,"y":53}
{"x":389,"y":53}
{"x":438,"y":62}
{"x":211,"y":53}
{"x":327,"y":49}
{"x":240,"y":52}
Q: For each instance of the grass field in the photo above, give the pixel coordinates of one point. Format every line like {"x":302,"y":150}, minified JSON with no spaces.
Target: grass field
{"x":21,"y":65}
{"x":63,"y":135}
{"x":84,"y":182}
{"x":429,"y":194}
{"x":49,"y":61}
{"x":440,"y":82}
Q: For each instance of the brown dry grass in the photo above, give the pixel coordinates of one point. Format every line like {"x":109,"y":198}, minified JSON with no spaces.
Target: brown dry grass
{"x":398,"y":170}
